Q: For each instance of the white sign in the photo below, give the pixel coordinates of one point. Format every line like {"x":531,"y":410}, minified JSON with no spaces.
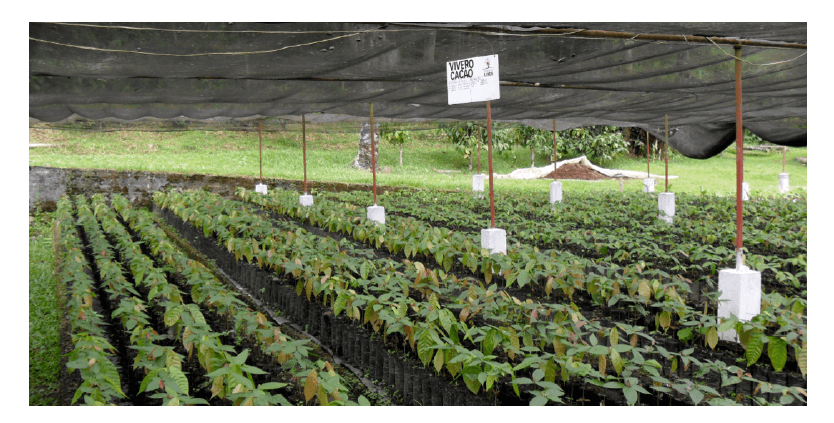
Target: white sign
{"x":473,"y":79}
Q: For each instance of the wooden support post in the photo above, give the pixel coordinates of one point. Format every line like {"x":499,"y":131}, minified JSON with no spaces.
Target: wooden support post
{"x":304,"y":149}
{"x":260,"y":152}
{"x":739,"y":159}
{"x":784,"y":152}
{"x":648,"y":166}
{"x":479,"y":153}
{"x":373,"y":150}
{"x":554,"y":152}
{"x":666,"y":154}
{"x":489,"y":150}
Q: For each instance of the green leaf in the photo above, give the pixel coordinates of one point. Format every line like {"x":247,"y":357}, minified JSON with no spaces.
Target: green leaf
{"x":271,"y":385}
{"x":723,"y":402}
{"x":550,"y":371}
{"x":802,"y":360}
{"x":727,"y":325}
{"x":241,"y":358}
{"x":777,"y":350}
{"x":470,"y":378}
{"x":754,"y":348}
{"x":424,"y":346}
{"x":179,"y":378}
{"x":488,"y":344}
{"x":615,"y":336}
{"x":712,"y":337}
{"x":523,"y":278}
{"x":438,"y":361}
{"x":598,"y":350}
{"x":665,"y":319}
{"x":696,"y":395}
{"x":538,"y":400}
{"x":363,"y":401}
{"x":630,"y":394}
{"x":616,"y":361}
{"x":172,"y":315}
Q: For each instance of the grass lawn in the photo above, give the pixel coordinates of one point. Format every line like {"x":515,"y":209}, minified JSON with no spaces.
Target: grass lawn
{"x":329,"y":157}
{"x":44,"y":337}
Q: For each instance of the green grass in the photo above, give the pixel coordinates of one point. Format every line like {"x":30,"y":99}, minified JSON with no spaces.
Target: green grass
{"x":329,"y":157}
{"x":44,"y":337}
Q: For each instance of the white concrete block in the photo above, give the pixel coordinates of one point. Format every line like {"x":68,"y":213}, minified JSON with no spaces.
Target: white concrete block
{"x":666,"y":205}
{"x":741,"y":295}
{"x":555,"y":192}
{"x":377,"y":214}
{"x":745,"y":191}
{"x":784,"y":184}
{"x":494,"y":240}
{"x":305,"y":200}
{"x":260,"y":188}
{"x":648,"y":185}
{"x":478,"y":185}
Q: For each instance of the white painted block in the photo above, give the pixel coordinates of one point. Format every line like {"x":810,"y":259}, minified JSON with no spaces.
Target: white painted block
{"x":741,"y":295}
{"x":555,"y":192}
{"x":377,"y":214}
{"x":260,"y":188}
{"x":745,"y":191}
{"x":666,"y":205}
{"x":494,"y":240}
{"x":784,"y":184}
{"x":306,"y":200}
{"x":648,"y":185}
{"x":478,"y":185}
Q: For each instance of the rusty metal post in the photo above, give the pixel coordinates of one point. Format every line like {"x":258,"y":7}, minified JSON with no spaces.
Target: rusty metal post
{"x":479,"y":152}
{"x":554,"y":152}
{"x":373,"y":150}
{"x":260,"y":153}
{"x":304,"y":149}
{"x":648,"y":166}
{"x":666,"y":153}
{"x":784,"y":150}
{"x":739,"y":158}
{"x":489,"y":152}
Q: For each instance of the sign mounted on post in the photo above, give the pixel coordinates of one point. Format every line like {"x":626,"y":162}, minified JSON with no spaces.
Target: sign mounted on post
{"x":473,"y":79}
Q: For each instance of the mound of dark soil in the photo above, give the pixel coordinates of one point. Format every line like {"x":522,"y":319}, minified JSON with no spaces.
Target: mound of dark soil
{"x":575,"y":171}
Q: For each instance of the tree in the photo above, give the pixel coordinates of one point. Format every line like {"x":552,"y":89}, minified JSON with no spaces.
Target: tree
{"x":601,"y":144}
{"x":470,"y":136}
{"x":534,"y":138}
{"x":395,"y":137}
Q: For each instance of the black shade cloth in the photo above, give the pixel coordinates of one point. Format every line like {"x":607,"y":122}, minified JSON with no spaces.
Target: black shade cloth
{"x":339,"y":68}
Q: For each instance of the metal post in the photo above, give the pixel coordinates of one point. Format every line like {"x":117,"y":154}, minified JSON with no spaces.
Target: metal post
{"x":304,"y":149}
{"x":479,"y":152}
{"x":489,"y":150}
{"x":648,"y":166}
{"x":554,"y":151}
{"x":666,"y":153}
{"x":373,"y":150}
{"x":784,"y":150}
{"x":739,"y":158}
{"x":260,"y":153}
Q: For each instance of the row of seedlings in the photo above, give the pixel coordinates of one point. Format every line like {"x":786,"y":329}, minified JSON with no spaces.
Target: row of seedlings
{"x":163,"y":364}
{"x":627,"y":234}
{"x":317,"y":268}
{"x":639,"y":290}
{"x":93,"y":354}
{"x":253,"y":328}
{"x":155,"y":361}
{"x":475,"y":376}
{"x":786,"y":321}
